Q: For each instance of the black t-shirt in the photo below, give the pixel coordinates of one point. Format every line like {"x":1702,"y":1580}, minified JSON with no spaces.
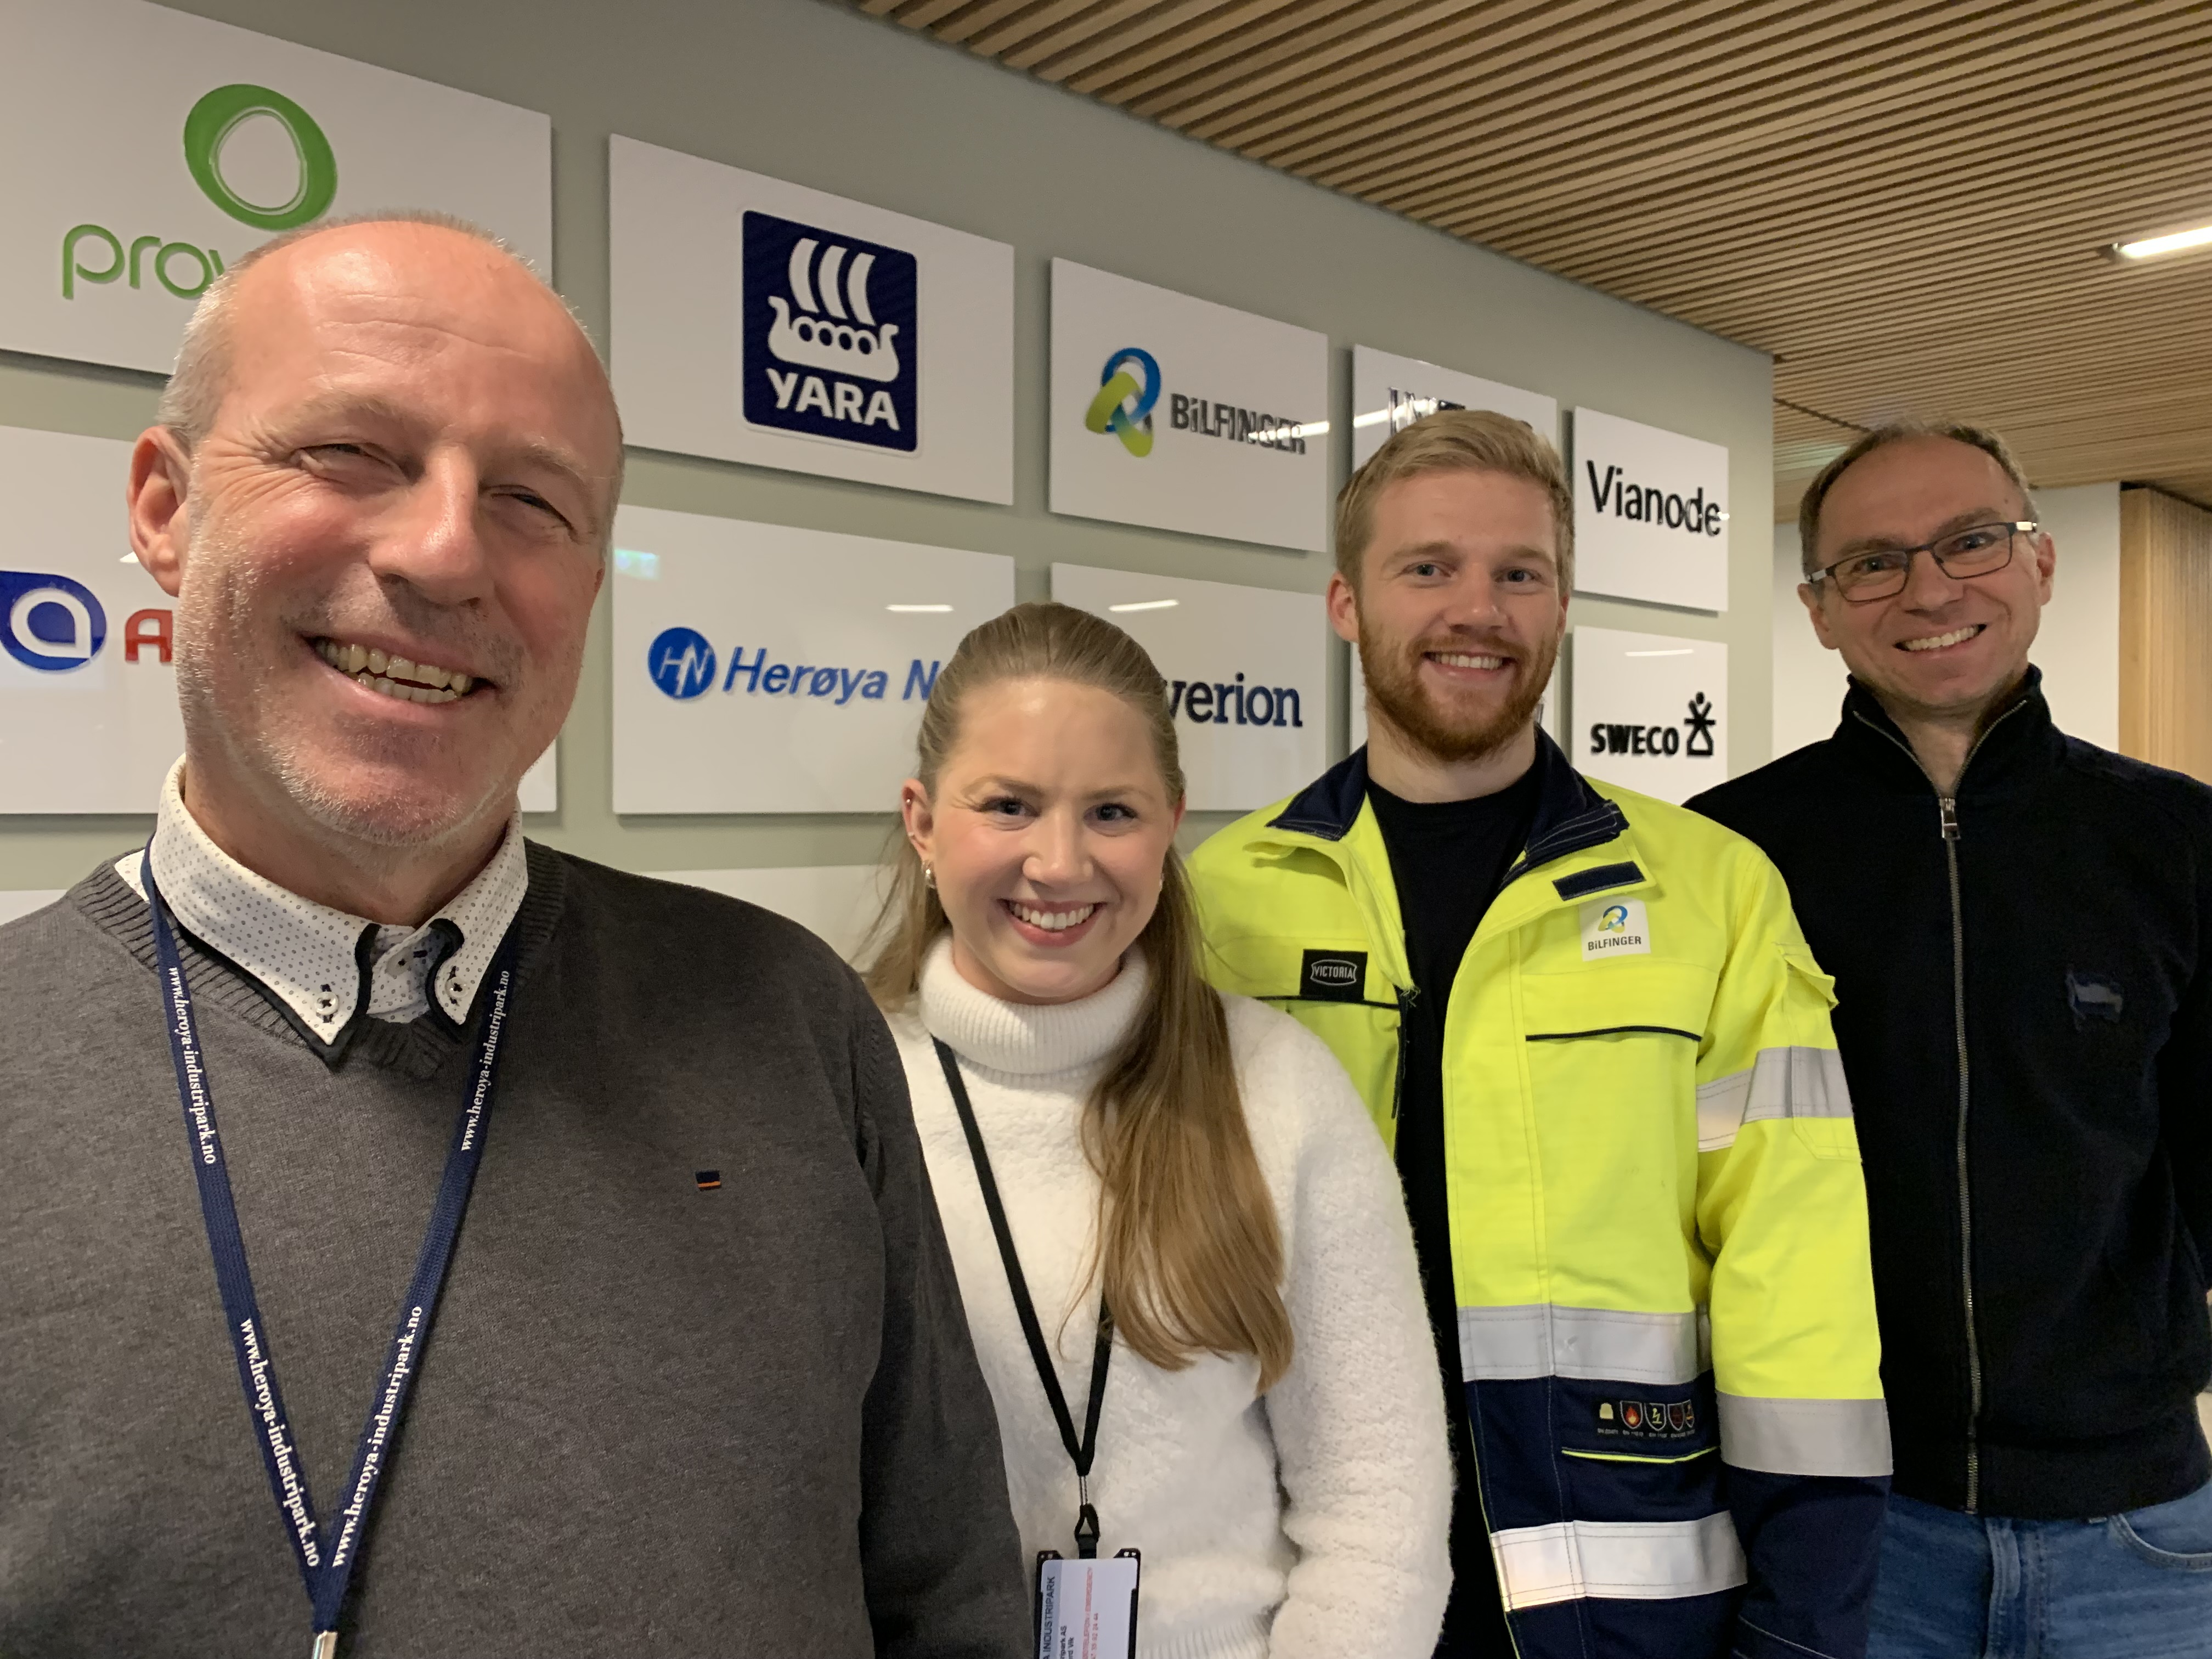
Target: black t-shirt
{"x":1449,"y":859}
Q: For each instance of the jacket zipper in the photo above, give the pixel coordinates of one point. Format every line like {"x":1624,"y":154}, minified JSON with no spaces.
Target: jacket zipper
{"x":1946,"y":811}
{"x":1947,"y":808}
{"x":1406,"y":999}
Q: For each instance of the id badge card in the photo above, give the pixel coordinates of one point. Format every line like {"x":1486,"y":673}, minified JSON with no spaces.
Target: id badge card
{"x":1087,"y":1609}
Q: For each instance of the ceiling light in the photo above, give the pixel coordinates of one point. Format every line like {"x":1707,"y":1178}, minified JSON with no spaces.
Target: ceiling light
{"x":1684,"y":652}
{"x":1148,"y":604}
{"x":2150,"y":247}
{"x":932,"y":609}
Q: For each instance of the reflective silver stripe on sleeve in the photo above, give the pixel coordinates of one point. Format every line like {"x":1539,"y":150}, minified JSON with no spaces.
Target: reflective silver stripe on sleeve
{"x":1601,"y":1344}
{"x":1617,"y":1560}
{"x":1805,"y":1436}
{"x":1781,"y":1083}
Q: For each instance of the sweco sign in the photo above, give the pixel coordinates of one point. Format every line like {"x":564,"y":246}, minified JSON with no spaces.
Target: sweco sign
{"x":1651,"y":520}
{"x":1179,"y":414}
{"x":1247,"y":671}
{"x":757,"y":320}
{"x":211,"y":139}
{"x":1650,"y":711}
{"x":88,"y":720}
{"x":762,"y":668}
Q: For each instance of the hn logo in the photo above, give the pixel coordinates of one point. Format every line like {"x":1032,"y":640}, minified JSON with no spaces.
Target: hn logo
{"x":828,"y":346}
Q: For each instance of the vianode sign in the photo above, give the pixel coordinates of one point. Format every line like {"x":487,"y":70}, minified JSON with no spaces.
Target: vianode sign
{"x":149,"y":149}
{"x":1651,"y":518}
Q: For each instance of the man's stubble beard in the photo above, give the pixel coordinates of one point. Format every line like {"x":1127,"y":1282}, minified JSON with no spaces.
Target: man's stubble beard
{"x":218,"y":612}
{"x":1394,"y":689}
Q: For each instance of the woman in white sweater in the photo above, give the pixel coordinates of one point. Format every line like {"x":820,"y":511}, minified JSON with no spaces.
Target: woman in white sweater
{"x":1271,"y":1434}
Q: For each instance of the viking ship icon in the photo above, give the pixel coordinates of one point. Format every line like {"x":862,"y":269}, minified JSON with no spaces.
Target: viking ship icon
{"x":848,"y":341}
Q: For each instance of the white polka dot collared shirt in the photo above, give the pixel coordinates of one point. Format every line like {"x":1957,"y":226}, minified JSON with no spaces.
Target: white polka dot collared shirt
{"x":308,"y":954}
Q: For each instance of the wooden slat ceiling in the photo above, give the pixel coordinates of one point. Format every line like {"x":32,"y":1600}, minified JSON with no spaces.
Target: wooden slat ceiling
{"x":1906,"y":202}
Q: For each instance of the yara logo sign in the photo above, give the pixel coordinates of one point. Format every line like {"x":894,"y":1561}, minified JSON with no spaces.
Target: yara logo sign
{"x":827,"y":334}
{"x":94,"y":253}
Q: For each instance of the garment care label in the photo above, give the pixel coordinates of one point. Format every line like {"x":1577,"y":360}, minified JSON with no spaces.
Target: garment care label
{"x":1087,"y":1609}
{"x":1614,"y":927}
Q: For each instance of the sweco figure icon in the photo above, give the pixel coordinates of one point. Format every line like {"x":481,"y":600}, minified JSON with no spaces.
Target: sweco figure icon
{"x":829,"y":335}
{"x":211,"y":125}
{"x":1113,"y":410}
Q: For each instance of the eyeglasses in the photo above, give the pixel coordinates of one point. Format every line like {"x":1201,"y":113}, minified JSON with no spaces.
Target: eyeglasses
{"x":1865,"y":577}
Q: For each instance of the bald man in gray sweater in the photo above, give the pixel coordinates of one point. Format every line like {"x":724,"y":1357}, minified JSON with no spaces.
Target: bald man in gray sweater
{"x":419,"y":1242}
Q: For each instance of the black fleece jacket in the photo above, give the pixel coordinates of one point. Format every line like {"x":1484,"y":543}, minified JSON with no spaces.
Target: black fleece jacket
{"x":2025,"y":1014}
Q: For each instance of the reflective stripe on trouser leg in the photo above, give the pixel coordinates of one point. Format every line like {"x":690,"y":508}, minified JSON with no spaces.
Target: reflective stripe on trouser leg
{"x":1805,"y":1436}
{"x":1781,"y":1083}
{"x":1624,"y":1560}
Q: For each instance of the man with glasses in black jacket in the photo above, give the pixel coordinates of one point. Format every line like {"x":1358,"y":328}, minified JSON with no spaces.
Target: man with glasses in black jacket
{"x":2021,"y":928}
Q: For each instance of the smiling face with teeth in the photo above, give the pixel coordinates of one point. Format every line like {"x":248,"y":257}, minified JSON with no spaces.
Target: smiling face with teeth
{"x":384,"y":548}
{"x":1946,"y":651}
{"x":1048,"y":835}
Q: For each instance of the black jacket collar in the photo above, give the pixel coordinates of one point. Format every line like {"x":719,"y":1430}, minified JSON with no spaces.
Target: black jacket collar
{"x":1569,"y":814}
{"x":2020,"y":745}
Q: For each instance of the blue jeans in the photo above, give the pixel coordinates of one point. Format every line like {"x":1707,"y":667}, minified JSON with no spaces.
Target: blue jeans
{"x":2133,"y":1586}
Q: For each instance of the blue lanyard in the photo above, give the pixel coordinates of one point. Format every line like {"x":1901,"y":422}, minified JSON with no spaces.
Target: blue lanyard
{"x":328,"y":1552}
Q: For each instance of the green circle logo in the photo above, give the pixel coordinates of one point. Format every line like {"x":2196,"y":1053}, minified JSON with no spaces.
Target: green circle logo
{"x":208,"y":127}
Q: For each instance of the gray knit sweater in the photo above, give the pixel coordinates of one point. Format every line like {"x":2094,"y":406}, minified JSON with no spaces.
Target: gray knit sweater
{"x":652,"y":1418}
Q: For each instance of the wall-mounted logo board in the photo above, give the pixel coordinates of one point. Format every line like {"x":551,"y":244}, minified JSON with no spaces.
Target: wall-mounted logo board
{"x":1651,"y":520}
{"x":1650,"y":711}
{"x":1247,"y":671}
{"x":88,"y":720}
{"x":1390,"y":392}
{"x":1178,"y":413}
{"x":760,"y":321}
{"x":761,"y":668}
{"x":149,"y":148}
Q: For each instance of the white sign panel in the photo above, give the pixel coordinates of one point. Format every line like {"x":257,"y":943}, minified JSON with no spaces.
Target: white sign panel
{"x":88,"y":720}
{"x":1390,"y":393}
{"x":1651,"y":520}
{"x":1547,"y":707}
{"x":759,"y":321}
{"x":1178,"y":413}
{"x":148,"y":149}
{"x":1650,"y":711}
{"x":1247,"y":671}
{"x":760,"y":668}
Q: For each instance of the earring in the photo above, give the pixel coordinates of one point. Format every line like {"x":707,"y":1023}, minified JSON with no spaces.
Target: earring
{"x":929,"y":876}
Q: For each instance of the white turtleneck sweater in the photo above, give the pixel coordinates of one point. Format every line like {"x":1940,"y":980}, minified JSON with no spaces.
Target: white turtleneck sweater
{"x":1309,"y":1523}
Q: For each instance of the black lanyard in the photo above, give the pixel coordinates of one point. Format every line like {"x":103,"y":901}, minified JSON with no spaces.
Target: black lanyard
{"x":1081,"y":1451}
{"x":326,"y":1554}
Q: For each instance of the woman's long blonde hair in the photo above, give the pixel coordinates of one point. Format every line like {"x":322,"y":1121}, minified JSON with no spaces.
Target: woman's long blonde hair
{"x":1187,"y":1242}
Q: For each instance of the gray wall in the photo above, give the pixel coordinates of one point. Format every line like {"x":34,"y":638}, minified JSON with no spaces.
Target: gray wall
{"x":825,"y":97}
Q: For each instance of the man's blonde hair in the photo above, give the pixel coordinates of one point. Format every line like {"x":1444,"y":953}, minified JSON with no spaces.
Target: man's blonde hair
{"x":1456,"y":440}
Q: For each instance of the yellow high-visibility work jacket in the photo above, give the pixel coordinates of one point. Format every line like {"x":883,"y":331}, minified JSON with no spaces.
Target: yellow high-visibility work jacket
{"x":1658,"y":1224}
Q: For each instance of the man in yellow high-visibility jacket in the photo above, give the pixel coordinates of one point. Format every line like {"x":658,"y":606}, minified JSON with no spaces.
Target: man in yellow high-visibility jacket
{"x":1590,"y":1028}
